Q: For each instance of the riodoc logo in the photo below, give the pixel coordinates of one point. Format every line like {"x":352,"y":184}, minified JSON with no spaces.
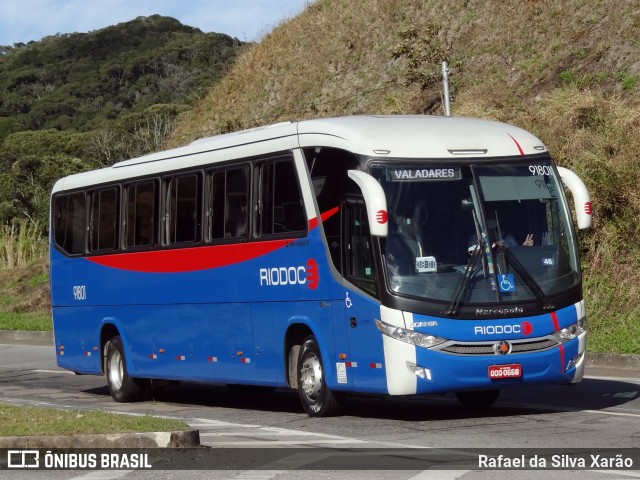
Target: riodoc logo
{"x":297,"y":275}
{"x":524,"y":328}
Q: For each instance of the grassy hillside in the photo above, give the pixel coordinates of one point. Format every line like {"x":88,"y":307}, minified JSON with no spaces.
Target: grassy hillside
{"x":568,"y":71}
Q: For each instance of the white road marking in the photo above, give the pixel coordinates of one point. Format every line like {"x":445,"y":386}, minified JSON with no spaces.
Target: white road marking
{"x":279,"y":443}
{"x":64,"y":372}
{"x":103,"y":475}
{"x":439,"y":475}
{"x":626,"y":473}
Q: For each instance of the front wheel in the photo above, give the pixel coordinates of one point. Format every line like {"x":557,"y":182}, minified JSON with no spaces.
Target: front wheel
{"x":479,"y":399}
{"x":122,"y":387}
{"x":317,"y":399}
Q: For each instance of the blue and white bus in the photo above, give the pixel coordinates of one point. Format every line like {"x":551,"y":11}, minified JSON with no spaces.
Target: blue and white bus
{"x":384,"y":255}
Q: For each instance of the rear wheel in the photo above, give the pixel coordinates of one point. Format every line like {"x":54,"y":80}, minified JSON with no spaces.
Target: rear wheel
{"x":317,"y":399}
{"x":478,"y":399}
{"x":122,"y":387}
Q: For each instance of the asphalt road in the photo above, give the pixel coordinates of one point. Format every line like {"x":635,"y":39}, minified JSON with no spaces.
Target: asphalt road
{"x":601,"y":412}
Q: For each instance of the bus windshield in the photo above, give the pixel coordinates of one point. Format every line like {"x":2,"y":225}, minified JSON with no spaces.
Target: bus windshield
{"x":477,"y":234}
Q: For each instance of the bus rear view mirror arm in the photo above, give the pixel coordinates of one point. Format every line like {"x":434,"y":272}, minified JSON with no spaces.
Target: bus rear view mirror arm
{"x":581,"y":198}
{"x":375,"y":201}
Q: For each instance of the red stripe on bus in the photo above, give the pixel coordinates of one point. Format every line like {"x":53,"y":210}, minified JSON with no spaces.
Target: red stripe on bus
{"x":556,"y":324}
{"x":313,"y":223}
{"x":188,"y":259}
{"x":517,"y":145}
{"x":561,"y":358}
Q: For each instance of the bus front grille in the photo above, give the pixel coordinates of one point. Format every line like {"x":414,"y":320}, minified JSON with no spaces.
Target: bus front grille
{"x":488,"y":348}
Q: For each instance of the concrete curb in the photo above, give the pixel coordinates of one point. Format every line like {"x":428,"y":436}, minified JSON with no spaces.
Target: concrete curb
{"x":612,"y":360}
{"x":24,"y":337}
{"x":186,"y":439}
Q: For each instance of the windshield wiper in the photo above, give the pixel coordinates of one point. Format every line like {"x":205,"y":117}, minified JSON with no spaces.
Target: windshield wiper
{"x":463,"y":284}
{"x":523,"y":272}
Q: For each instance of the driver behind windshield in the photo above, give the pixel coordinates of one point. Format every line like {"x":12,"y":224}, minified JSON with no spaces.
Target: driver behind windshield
{"x":497,"y":236}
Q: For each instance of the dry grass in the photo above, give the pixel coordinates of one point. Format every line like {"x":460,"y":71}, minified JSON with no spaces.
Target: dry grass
{"x":341,"y":57}
{"x":20,"y":244}
{"x":24,"y":278}
{"x":324,"y":62}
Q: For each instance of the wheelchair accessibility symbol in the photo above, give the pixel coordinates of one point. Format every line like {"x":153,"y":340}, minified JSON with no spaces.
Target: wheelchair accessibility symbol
{"x":507,"y":283}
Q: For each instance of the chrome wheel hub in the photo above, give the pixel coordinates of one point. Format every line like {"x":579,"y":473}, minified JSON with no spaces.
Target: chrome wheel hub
{"x":311,"y":377}
{"x":116,"y":370}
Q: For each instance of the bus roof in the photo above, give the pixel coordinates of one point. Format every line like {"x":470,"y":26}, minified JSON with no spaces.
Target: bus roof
{"x":384,"y":136}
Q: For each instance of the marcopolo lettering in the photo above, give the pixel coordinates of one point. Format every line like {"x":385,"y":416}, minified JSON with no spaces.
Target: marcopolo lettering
{"x":499,"y":311}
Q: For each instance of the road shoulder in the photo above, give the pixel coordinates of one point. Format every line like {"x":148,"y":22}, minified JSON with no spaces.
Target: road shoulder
{"x":185,"y":439}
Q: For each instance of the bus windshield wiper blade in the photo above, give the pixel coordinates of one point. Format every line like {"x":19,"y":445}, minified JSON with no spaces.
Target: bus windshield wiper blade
{"x":463,"y":284}
{"x":524,"y":273}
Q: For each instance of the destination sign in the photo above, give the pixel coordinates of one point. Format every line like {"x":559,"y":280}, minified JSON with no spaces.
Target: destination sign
{"x":422,"y":174}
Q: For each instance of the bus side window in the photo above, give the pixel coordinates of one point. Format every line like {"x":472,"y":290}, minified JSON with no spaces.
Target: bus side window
{"x":69,"y":222}
{"x":280,"y":208}
{"x":328,"y":168}
{"x":182,"y":209}
{"x":358,"y":249}
{"x":103,"y":222}
{"x":227,"y":201}
{"x":141,"y":214}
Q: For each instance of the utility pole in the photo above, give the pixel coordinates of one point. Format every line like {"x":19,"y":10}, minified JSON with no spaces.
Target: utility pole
{"x":445,"y":87}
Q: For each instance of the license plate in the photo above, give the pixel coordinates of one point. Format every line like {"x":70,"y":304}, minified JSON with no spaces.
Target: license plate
{"x":497,"y":372}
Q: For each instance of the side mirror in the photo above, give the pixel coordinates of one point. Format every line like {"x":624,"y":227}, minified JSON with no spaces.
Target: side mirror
{"x":581,"y":199}
{"x":375,"y":201}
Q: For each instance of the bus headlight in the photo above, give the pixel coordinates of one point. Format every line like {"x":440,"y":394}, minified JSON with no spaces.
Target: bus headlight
{"x":409,"y":336}
{"x":571,"y":332}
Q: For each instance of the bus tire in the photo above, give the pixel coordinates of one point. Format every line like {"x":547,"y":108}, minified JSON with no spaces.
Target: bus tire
{"x":316,"y":398}
{"x":122,"y":387}
{"x":478,"y":399}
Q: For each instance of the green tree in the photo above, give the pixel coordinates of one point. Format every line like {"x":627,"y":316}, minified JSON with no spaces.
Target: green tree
{"x":27,"y":187}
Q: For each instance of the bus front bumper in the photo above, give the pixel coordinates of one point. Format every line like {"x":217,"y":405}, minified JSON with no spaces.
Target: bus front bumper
{"x":416,"y":370}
